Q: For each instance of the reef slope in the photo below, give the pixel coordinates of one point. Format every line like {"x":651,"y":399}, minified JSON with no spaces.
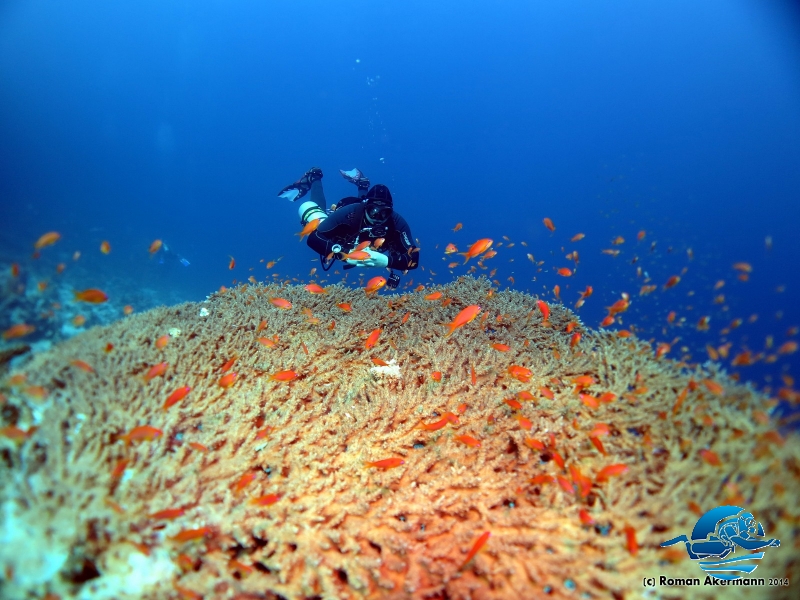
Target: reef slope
{"x":78,"y":502}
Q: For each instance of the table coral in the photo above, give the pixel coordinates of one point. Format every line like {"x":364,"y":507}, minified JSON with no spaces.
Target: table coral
{"x":258,"y":487}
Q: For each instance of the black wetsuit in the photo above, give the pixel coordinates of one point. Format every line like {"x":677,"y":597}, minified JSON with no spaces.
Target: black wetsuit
{"x":347,"y":227}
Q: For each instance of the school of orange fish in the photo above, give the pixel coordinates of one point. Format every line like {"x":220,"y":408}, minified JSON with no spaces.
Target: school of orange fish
{"x":482,"y":249}
{"x":485,"y":249}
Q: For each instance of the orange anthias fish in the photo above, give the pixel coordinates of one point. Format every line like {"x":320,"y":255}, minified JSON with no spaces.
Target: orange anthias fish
{"x":283,"y":376}
{"x":155,"y":246}
{"x":47,"y":239}
{"x":598,"y":444}
{"x":477,"y":248}
{"x":581,"y":481}
{"x":310,"y":228}
{"x":447,"y":417}
{"x":386,"y":463}
{"x":710,"y":457}
{"x":630,"y":536}
{"x":356,"y":255}
{"x":620,"y":305}
{"x":82,"y":365}
{"x":119,"y":468}
{"x":227,"y":380}
{"x":468,"y":440}
{"x":170,"y":513}
{"x":672,"y":281}
{"x":546,"y":392}
{"x":92,"y":296}
{"x":577,"y":237}
{"x":105,"y":247}
{"x":521,"y":373}
{"x":743,"y":267}
{"x":564,"y":272}
{"x":16,"y":434}
{"x":374,"y":284}
{"x":18,"y":330}
{"x":345,"y":306}
{"x":479,"y":543}
{"x":611,"y":471}
{"x":573,"y":341}
{"x":372,"y":339}
{"x":464,"y":317}
{"x":583,"y":381}
{"x":189,"y":535}
{"x":313,"y":288}
{"x":141,"y":433}
{"x":232,"y":263}
{"x":608,"y":320}
{"x":524,"y":422}
{"x":549,"y":224}
{"x":714,"y":387}
{"x":545,"y":310}
{"x":243,"y":482}
{"x":267,"y":500}
{"x":450,"y":249}
{"x":281,"y":303}
{"x":585,"y":517}
{"x":177,"y":396}
{"x":155,"y":371}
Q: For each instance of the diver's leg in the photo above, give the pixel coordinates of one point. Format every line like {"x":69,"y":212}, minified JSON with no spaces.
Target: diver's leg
{"x":294,"y":191}
{"x":317,"y":194}
{"x":314,"y":207}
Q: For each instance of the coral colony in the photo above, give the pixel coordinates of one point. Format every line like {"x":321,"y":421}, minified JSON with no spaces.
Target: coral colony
{"x":461,"y":442}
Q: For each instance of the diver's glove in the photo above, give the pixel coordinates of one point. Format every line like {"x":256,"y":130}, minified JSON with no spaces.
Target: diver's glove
{"x":376,"y":259}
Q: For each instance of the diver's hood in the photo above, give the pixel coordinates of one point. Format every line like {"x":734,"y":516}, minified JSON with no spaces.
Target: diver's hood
{"x":379,"y":194}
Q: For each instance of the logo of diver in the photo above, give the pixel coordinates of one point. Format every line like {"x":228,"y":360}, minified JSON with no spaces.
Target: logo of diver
{"x":717,"y":534}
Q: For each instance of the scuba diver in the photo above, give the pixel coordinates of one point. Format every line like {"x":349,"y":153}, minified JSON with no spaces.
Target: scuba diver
{"x":367,"y":217}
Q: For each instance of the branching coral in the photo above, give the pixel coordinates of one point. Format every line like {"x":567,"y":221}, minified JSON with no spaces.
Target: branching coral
{"x":266,"y":484}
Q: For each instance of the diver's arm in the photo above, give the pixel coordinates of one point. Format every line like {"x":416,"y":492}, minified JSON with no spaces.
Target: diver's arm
{"x":403,"y":255}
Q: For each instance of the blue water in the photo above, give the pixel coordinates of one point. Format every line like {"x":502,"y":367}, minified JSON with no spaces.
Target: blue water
{"x":129,"y":122}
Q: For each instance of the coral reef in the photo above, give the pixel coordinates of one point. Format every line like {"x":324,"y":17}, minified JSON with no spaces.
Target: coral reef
{"x":256,"y":483}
